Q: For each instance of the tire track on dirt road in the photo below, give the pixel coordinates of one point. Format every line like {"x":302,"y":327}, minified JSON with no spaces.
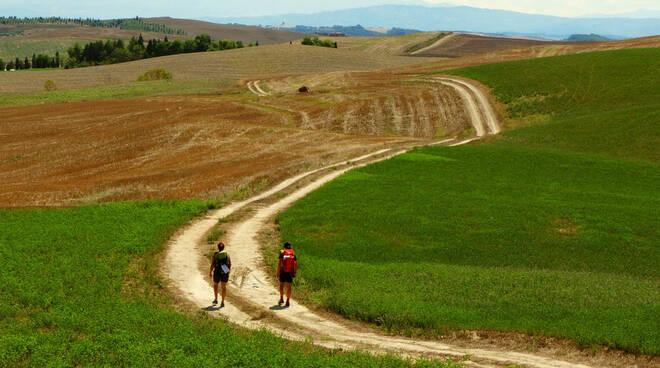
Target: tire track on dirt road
{"x":252,"y":294}
{"x":253,"y":86}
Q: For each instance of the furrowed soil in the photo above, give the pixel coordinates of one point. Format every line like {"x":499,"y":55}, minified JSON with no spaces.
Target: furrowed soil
{"x":167,"y":147}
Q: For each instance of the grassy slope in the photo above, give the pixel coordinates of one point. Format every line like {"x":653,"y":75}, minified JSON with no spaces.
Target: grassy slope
{"x":605,"y":103}
{"x":549,"y":230}
{"x":80,"y":287}
{"x":10,"y":48}
{"x":126,"y":90}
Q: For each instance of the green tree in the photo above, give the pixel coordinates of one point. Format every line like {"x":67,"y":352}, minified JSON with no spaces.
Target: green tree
{"x":203,"y":42}
{"x":2,"y":65}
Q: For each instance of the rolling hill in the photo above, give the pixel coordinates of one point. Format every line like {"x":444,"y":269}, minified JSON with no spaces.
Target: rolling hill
{"x":246,"y":34}
{"x":464,"y":18}
{"x":550,"y":229}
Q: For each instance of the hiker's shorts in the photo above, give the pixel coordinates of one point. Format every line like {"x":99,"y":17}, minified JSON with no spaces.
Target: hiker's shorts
{"x":286,"y":276}
{"x":219,"y":276}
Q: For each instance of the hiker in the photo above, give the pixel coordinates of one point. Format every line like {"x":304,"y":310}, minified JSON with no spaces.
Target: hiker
{"x":220,"y":267}
{"x":286,"y":272}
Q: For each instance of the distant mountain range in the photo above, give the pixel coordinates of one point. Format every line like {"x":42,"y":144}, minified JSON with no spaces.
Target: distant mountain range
{"x":462,"y":18}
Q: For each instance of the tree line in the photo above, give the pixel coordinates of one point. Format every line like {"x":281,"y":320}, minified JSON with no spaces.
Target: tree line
{"x":134,"y":24}
{"x":117,"y":51}
{"x":37,"y":61}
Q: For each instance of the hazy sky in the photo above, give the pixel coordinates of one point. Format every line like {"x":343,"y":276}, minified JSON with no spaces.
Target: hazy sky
{"x":224,"y":8}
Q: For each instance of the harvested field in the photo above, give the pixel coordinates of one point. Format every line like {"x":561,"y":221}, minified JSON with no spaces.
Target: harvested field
{"x":246,"y":34}
{"x":457,"y":45}
{"x":167,"y":147}
{"x":386,"y":45}
{"x":261,"y":62}
{"x":12,"y":47}
{"x":372,"y":103}
{"x":72,"y":31}
{"x":529,"y":52}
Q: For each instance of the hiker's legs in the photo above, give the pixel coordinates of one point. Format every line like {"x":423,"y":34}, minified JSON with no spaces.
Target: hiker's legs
{"x":288,"y":291}
{"x":281,"y":290}
{"x":215,"y":290}
{"x":224,"y":291}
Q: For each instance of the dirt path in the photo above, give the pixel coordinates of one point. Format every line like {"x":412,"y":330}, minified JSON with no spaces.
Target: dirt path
{"x":254,"y":87}
{"x":434,"y":44}
{"x":252,"y":296}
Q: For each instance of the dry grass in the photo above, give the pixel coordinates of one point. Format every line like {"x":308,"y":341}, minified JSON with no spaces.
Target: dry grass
{"x":458,"y":45}
{"x":72,"y":31}
{"x":527,"y":53}
{"x":229,"y":31}
{"x":370,"y":103}
{"x":257,"y":62}
{"x":386,"y":45}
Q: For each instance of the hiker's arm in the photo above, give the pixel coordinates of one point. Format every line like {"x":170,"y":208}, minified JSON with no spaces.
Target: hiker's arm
{"x":279,"y":266}
{"x":212,"y":266}
{"x":229,"y":262}
{"x":295,"y":266}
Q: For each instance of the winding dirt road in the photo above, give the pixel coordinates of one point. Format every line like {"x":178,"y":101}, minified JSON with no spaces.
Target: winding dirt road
{"x":253,"y":296}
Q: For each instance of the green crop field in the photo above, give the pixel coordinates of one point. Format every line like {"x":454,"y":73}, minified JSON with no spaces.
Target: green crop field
{"x":12,"y":47}
{"x":551,"y":229}
{"x":80,"y":288}
{"x":118,"y":91}
{"x":605,"y":103}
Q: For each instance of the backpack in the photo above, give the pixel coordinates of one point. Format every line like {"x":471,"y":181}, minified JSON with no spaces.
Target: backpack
{"x":288,"y":260}
{"x":220,"y":260}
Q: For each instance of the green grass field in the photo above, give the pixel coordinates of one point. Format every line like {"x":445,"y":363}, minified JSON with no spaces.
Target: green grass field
{"x":551,"y":229}
{"x":128,"y":90}
{"x":605,"y":103}
{"x":80,"y":287}
{"x":13,"y":47}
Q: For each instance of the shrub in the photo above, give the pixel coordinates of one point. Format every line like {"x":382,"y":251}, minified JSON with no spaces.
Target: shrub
{"x":317,"y":42}
{"x":50,"y":86}
{"x":155,"y":74}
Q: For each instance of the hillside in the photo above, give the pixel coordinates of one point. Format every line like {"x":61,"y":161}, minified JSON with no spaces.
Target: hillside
{"x":246,"y":34}
{"x":253,"y":62}
{"x":457,"y":45}
{"x":464,"y":18}
{"x":549,"y":230}
{"x":27,"y":39}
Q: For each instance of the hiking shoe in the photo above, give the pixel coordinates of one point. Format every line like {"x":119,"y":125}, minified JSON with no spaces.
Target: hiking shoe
{"x":215,"y":301}
{"x":287,"y":304}
{"x":222,"y":304}
{"x":280,"y":302}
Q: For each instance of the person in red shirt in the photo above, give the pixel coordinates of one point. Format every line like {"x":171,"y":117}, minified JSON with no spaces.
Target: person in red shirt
{"x":286,"y":272}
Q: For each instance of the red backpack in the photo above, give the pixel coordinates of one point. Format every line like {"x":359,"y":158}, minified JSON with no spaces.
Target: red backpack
{"x":288,"y":261}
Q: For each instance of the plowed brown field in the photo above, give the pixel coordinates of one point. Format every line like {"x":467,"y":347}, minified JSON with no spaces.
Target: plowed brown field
{"x":370,"y":103}
{"x":168,"y":147}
